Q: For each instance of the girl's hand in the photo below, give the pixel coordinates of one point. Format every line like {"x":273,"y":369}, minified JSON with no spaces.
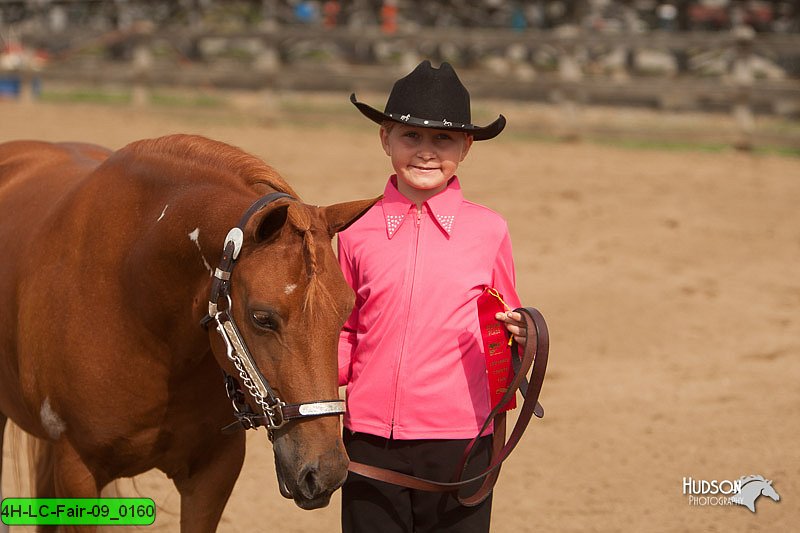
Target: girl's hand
{"x":515,"y":325}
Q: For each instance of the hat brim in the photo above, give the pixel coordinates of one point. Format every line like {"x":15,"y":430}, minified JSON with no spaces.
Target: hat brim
{"x":478,"y":133}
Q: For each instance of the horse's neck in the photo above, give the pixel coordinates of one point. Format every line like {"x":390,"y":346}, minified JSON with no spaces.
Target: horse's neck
{"x":751,"y":491}
{"x":173,"y":260}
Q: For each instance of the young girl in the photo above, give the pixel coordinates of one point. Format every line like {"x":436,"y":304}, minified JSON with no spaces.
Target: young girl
{"x":411,"y":354}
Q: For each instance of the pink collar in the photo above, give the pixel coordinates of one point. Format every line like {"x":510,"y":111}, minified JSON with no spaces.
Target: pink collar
{"x":443,"y":207}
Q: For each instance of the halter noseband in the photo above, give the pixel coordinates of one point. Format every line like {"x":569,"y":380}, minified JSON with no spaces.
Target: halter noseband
{"x":276,"y":413}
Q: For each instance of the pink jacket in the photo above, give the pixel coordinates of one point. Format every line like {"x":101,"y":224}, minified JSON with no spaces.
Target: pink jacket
{"x":411,"y":353}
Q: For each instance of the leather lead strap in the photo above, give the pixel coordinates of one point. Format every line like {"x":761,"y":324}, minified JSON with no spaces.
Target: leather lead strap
{"x":534,"y":355}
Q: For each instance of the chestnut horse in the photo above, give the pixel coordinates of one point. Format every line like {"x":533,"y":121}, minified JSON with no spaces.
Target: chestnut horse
{"x":107,"y":271}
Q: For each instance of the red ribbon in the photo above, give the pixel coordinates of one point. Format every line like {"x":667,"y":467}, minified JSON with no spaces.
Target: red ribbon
{"x":496,"y":347}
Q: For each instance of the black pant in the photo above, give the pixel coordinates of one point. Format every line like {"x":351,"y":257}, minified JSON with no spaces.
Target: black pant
{"x":370,"y":506}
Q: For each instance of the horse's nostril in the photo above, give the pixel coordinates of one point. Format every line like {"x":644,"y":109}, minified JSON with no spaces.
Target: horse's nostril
{"x":308,"y":482}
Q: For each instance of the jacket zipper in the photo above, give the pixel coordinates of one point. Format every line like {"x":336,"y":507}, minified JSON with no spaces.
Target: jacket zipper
{"x":408,"y":319}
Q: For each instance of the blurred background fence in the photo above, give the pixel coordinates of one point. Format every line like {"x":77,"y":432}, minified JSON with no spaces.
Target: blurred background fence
{"x":710,"y":55}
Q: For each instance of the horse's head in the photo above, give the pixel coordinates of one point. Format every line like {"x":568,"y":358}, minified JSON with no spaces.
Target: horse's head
{"x":289,"y":301}
{"x":768,"y":490}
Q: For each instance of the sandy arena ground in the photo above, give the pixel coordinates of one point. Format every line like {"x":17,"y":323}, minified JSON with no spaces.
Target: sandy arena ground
{"x":670,"y":283}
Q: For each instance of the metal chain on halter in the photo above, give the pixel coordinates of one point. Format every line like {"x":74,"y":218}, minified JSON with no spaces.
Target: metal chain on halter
{"x":247,"y":380}
{"x":236,"y":353}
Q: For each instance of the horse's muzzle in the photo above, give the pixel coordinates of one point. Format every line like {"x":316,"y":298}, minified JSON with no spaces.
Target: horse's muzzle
{"x":310,"y":482}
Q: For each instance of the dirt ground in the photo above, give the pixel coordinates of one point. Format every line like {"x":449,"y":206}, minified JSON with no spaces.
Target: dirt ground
{"x":669,"y":279}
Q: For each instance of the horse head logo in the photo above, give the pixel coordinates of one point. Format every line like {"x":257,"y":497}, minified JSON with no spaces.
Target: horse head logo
{"x":752,"y":488}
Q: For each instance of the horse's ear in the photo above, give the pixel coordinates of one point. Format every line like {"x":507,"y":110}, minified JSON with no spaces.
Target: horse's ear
{"x":340,"y":216}
{"x":268,"y":222}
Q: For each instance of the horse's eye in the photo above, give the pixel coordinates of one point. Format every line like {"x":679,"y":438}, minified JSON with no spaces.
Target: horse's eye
{"x":265,"y":320}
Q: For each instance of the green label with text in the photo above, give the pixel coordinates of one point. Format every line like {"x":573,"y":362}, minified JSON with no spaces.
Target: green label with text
{"x":78,"y":511}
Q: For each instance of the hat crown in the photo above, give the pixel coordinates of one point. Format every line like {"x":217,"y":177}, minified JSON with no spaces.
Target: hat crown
{"x":431,"y":98}
{"x":430,"y":93}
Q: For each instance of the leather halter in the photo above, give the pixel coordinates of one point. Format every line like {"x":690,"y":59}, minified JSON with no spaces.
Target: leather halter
{"x":535,"y":354}
{"x":275,"y":412}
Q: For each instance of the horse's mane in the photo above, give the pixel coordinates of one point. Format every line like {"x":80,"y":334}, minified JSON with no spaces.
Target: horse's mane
{"x":747,"y":479}
{"x":223,"y":157}
{"x":212,"y":154}
{"x":316,"y":290}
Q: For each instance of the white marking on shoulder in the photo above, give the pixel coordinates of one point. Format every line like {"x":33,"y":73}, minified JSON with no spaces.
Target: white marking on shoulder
{"x":51,"y":422}
{"x":195,"y":237}
{"x":162,"y":213}
{"x":289,"y":289}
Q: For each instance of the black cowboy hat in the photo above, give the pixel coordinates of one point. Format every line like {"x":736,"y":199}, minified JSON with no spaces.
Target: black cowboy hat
{"x":431,"y":98}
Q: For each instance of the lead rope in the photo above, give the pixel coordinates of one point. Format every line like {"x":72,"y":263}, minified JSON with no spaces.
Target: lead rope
{"x":533,"y":356}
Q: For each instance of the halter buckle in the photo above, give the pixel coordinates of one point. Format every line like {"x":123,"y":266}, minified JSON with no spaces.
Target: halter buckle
{"x":275,"y":416}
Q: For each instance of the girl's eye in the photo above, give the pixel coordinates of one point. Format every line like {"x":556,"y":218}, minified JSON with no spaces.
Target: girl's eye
{"x":411,"y":134}
{"x":265,"y":320}
{"x":443,"y":137}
